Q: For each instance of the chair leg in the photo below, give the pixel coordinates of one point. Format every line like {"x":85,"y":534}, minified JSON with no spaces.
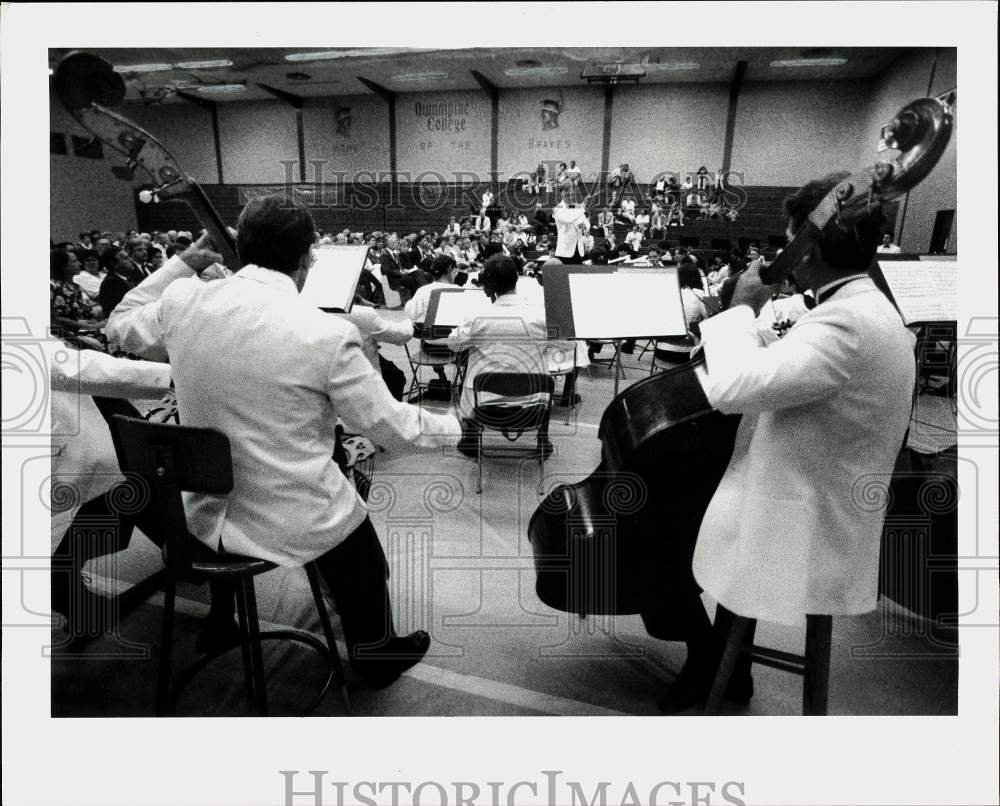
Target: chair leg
{"x":256,"y":653}
{"x":246,"y":651}
{"x":734,"y":648}
{"x":331,"y":641}
{"x":163,"y":704}
{"x":816,"y":679}
{"x":479,"y":461}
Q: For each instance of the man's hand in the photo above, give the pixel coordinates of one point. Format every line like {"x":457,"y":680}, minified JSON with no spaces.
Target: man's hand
{"x":199,"y":256}
{"x":750,"y":290}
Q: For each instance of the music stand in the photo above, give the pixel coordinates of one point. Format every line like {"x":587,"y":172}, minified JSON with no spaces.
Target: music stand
{"x":611,"y":303}
{"x":333,"y":278}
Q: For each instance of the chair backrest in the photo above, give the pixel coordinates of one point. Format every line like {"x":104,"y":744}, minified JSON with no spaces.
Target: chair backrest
{"x":171,"y":459}
{"x":514,"y":384}
{"x":513,"y":416}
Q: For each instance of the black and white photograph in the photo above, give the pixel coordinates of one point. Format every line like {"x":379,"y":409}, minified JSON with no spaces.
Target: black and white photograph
{"x":569,"y":422}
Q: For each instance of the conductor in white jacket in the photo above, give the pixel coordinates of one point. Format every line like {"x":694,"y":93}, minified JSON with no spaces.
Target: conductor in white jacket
{"x":571,"y":226}
{"x":793,"y":528}
{"x":254,"y":360}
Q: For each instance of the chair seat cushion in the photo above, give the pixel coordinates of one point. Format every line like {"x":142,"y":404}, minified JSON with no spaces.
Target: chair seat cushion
{"x":208,"y":563}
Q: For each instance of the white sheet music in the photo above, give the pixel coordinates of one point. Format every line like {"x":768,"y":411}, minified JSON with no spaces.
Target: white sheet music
{"x":924,"y":290}
{"x":455,"y":307}
{"x":645,"y":302}
{"x":332,"y":280}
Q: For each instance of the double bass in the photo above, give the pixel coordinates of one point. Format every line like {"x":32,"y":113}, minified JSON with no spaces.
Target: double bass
{"x":665,"y":449}
{"x":87,"y":86}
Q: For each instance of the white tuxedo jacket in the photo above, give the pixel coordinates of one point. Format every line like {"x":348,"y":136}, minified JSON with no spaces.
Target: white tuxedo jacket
{"x":794,"y":527}
{"x":254,"y":360}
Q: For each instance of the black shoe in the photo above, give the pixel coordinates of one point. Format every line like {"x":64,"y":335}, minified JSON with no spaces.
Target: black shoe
{"x":564,"y":402}
{"x":382,"y":667}
{"x":694,"y":684}
{"x":689,"y":690}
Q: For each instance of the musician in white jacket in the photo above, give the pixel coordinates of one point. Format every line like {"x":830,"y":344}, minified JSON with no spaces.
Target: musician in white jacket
{"x":793,"y":528}
{"x":254,"y":360}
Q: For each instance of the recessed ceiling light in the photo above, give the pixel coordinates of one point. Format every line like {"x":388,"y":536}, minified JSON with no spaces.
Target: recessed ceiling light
{"x":822,"y":62}
{"x":221,"y":89}
{"x":420,"y":77}
{"x":142,"y":68}
{"x":554,"y":70}
{"x":320,"y":55}
{"x":206,"y":64}
{"x":528,"y":63}
{"x":296,"y":76}
{"x":672,"y":66}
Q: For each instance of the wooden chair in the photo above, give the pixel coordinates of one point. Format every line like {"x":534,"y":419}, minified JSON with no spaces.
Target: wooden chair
{"x":174,"y":458}
{"x":511,"y":417}
{"x":813,"y":666}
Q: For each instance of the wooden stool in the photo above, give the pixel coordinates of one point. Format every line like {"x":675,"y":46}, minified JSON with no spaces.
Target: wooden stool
{"x":814,"y":666}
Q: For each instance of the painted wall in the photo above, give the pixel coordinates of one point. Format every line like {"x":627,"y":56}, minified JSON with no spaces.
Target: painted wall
{"x":258,"y":139}
{"x":552,"y":124}
{"x":668,"y":127}
{"x":186,"y":131}
{"x":442,"y":133}
{"x":83,"y":193}
{"x":349,"y":134}
{"x":904,"y":81}
{"x":790,"y":132}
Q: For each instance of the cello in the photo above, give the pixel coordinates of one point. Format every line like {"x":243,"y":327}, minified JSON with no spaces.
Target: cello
{"x":665,"y":449}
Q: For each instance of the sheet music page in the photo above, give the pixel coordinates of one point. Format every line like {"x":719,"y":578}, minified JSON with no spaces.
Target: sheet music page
{"x":332,"y":280}
{"x":925,"y":290}
{"x":455,"y":307}
{"x":646,"y":302}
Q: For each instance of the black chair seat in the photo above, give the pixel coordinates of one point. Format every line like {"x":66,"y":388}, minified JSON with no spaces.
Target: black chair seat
{"x":506,"y":417}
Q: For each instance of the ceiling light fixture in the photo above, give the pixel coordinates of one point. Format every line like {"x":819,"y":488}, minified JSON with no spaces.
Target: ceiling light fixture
{"x":823,"y":62}
{"x":320,"y":55}
{"x":672,"y":66}
{"x":553,"y":70}
{"x":207,"y":64}
{"x":420,"y":77}
{"x":142,"y":68}
{"x":221,"y":89}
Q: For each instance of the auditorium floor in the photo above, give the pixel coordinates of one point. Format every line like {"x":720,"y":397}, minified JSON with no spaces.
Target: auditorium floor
{"x":462,"y":569}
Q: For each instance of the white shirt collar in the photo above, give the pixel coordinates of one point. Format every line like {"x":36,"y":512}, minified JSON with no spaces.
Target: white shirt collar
{"x":269,"y":277}
{"x":839,"y":281}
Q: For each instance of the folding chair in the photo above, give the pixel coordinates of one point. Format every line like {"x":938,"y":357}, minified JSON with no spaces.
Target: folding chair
{"x":512,"y":417}
{"x":174,"y":458}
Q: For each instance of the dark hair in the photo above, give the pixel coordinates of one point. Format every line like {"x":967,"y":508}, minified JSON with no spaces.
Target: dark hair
{"x":846,"y":250}
{"x":441,"y":266}
{"x":274,"y":232}
{"x":58,"y":262}
{"x":109,"y":258}
{"x":499,"y":275}
{"x":87,"y":254}
{"x":689,"y":276}
{"x":598,"y":256}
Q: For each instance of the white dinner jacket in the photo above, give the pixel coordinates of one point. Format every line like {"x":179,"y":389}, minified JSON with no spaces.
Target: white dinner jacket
{"x":794,"y":527}
{"x":254,"y":360}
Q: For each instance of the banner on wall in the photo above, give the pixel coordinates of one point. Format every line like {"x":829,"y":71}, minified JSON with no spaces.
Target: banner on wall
{"x":445,"y":127}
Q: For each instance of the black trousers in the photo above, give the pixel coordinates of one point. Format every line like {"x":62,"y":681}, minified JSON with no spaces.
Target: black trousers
{"x":356,"y":571}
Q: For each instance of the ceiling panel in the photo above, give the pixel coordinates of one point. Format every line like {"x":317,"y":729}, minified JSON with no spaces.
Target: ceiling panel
{"x":426,"y":70}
